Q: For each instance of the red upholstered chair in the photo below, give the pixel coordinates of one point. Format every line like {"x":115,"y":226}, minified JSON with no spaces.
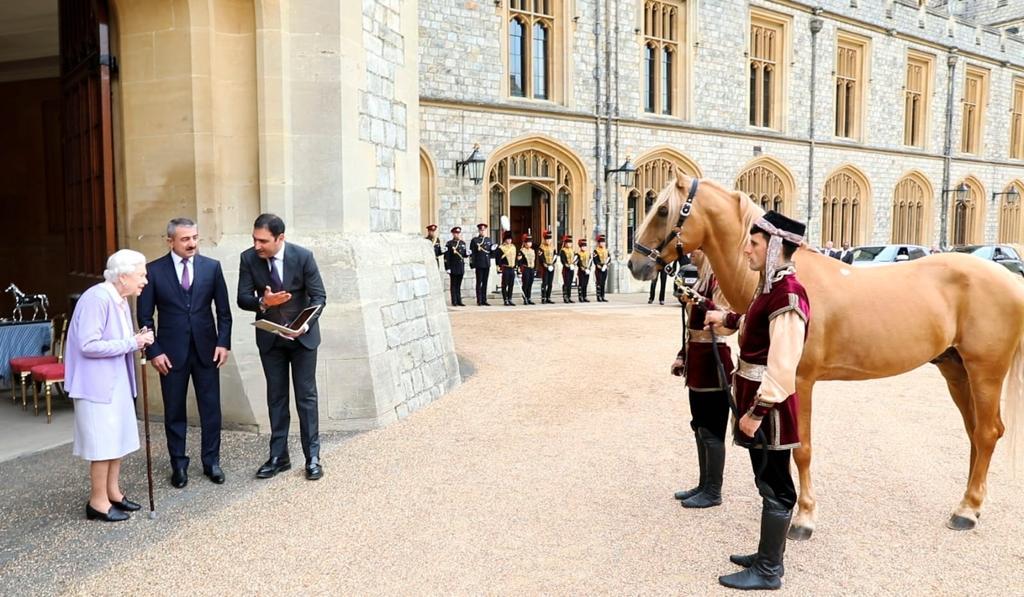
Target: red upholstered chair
{"x":22,"y":366}
{"x":47,"y":375}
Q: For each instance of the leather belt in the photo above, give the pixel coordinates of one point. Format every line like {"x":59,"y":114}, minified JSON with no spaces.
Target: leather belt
{"x":750,"y":370}
{"x":703,"y":336}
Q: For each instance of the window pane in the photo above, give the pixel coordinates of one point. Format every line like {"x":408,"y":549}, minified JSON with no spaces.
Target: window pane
{"x":753,"y":94}
{"x":563,"y":213}
{"x":515,"y":58}
{"x":630,"y":223}
{"x":666,"y":81}
{"x":540,"y":62}
{"x":649,"y":73}
{"x":766,"y":103}
{"x":497,"y":204}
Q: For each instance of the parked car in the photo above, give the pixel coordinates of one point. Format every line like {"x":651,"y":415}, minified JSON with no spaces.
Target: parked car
{"x":873,"y":256}
{"x":1004,"y":255}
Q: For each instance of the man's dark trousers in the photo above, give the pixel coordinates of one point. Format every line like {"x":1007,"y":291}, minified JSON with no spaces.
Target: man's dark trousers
{"x":206,"y":381}
{"x":284,"y":357}
{"x":481,"y":284}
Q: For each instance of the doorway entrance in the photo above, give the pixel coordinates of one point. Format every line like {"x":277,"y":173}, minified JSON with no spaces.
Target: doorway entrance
{"x":529,"y":207}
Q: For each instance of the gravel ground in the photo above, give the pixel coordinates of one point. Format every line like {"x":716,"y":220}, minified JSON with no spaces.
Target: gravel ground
{"x":551,"y":470}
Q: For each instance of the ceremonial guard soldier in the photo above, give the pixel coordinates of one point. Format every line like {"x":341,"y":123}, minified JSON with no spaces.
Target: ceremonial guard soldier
{"x":601,"y":257}
{"x":455,"y":264}
{"x":568,"y":259}
{"x":709,"y":401}
{"x":480,"y":250}
{"x":506,"y":256}
{"x":527,"y":268}
{"x":547,"y":258}
{"x":772,"y":336}
{"x":436,"y":240}
{"x":584,"y":259}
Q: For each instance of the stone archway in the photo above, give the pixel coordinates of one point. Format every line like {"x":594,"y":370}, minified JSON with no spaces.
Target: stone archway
{"x":845,"y":207}
{"x":654,"y":170}
{"x":912,"y":210}
{"x":967,"y":217}
{"x":769,"y":183}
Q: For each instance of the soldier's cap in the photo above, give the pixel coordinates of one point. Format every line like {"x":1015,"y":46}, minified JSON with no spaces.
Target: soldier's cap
{"x":600,"y":238}
{"x":456,"y":230}
{"x":481,"y":226}
{"x":547,"y":234}
{"x":582,"y":242}
{"x":526,"y":238}
{"x":566,"y":239}
{"x":432,"y":227}
{"x":507,"y":235}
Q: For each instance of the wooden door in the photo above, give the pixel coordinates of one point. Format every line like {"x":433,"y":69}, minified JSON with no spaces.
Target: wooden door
{"x":87,"y":139}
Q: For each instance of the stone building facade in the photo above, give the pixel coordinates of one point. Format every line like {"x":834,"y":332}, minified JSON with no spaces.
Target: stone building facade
{"x":675,"y":89}
{"x":218,"y":111}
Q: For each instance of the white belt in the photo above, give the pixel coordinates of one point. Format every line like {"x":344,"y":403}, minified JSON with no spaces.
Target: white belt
{"x":750,"y":370}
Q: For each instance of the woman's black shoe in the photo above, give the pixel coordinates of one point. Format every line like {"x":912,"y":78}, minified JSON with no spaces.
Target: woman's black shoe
{"x":126,"y":505}
{"x":112,"y":515}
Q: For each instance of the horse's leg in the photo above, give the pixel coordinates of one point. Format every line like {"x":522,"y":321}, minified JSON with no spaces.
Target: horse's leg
{"x":803,"y":523}
{"x":986,"y":383}
{"x":952,"y":368}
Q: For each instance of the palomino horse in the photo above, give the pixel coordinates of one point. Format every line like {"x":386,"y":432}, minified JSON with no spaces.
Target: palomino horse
{"x":963,"y":314}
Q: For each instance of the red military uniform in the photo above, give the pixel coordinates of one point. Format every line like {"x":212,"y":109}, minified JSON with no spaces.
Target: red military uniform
{"x":780,"y":419}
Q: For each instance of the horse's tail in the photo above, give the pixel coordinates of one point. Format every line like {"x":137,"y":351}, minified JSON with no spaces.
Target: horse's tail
{"x":1013,"y":401}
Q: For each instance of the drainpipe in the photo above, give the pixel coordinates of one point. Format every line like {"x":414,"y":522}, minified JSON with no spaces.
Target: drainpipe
{"x":947,"y":147}
{"x":598,"y":170}
{"x":816,"y":25}
{"x":607,"y":121}
{"x":613,"y":278}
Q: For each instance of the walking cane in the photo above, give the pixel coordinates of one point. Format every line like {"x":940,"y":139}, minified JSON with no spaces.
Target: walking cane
{"x":145,"y":424}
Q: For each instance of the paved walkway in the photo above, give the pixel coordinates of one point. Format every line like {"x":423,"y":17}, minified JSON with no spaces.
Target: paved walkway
{"x":550,"y":470}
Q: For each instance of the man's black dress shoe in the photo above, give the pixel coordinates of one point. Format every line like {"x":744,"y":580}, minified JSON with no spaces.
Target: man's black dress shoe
{"x":215,"y":474}
{"x":112,"y":515}
{"x":277,"y":464}
{"x":179,"y":477}
{"x":126,"y":505}
{"x":313,"y":469}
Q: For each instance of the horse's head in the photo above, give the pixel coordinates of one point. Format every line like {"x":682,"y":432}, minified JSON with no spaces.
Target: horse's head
{"x":659,"y":229}
{"x":12,"y":288}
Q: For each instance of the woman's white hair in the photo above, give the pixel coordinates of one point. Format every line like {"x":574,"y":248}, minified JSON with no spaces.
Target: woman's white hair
{"x":122,"y":262}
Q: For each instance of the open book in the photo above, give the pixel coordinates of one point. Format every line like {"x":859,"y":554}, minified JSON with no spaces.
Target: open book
{"x":291,"y":328}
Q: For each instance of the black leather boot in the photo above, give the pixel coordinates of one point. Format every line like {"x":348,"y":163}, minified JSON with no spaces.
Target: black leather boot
{"x":748,"y":560}
{"x":711,"y":494}
{"x":702,"y":464}
{"x":766,"y":571}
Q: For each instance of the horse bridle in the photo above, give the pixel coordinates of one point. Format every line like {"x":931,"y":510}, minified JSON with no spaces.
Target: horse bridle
{"x":684,"y":212}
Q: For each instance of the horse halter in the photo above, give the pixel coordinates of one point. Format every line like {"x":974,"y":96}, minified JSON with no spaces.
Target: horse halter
{"x":684,"y":212}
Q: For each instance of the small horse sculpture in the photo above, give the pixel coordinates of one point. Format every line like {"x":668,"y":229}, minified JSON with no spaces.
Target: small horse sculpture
{"x":23,"y":301}
{"x":964,"y":315}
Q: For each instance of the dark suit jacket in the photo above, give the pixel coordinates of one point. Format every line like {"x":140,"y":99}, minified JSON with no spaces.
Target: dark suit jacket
{"x":847,"y":257}
{"x":301,"y":279}
{"x":186,"y":318}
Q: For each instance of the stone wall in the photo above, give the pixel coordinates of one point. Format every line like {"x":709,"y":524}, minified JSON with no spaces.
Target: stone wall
{"x":461,"y":68}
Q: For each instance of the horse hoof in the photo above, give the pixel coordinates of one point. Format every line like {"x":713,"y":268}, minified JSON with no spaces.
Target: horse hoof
{"x":797,"y":533}
{"x":960,"y":523}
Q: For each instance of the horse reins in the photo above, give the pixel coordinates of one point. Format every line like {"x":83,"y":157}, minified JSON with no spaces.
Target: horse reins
{"x":684,"y":212}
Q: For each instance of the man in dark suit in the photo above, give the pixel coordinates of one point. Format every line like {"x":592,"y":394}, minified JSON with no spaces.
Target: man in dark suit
{"x":190,"y":344}
{"x":278,"y":281}
{"x":846,"y":256}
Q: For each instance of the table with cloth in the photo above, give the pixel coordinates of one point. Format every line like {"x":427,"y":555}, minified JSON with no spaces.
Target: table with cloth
{"x":21,"y":339}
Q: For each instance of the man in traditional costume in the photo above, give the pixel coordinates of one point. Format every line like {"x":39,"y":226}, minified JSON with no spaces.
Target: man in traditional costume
{"x":709,"y":401}
{"x":772,"y":335}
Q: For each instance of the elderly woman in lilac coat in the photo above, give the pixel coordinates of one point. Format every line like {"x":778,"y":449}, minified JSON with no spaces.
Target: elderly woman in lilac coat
{"x":100,"y":378}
